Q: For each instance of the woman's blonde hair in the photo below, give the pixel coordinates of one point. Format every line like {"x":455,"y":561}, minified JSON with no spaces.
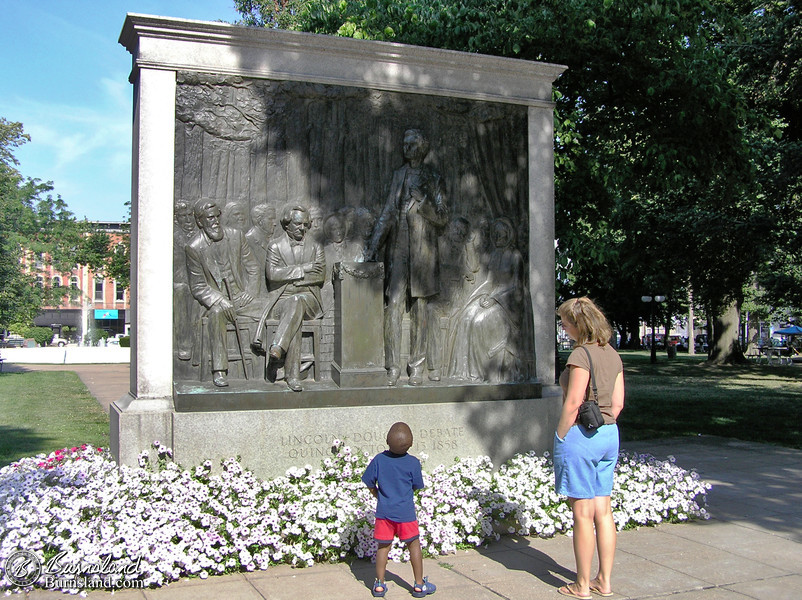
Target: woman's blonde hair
{"x":591,"y":324}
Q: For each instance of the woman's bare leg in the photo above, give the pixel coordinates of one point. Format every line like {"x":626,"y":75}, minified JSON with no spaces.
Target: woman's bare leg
{"x":584,"y":541}
{"x":605,"y":542}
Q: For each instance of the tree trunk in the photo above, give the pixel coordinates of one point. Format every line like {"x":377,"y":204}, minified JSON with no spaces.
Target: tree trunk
{"x":725,"y":347}
{"x":633,"y":328}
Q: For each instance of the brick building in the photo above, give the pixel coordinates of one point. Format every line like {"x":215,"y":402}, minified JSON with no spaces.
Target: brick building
{"x":101,"y":303}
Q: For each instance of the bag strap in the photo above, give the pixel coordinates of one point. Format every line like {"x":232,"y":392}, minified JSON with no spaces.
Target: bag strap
{"x":592,"y":376}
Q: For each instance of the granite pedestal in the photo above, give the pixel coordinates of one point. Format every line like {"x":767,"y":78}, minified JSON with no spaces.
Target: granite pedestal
{"x":473,"y":420}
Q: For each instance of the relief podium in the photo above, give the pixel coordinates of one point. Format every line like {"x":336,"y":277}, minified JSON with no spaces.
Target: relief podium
{"x":358,"y":317}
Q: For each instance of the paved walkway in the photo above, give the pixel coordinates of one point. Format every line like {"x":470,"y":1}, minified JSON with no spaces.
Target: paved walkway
{"x":750,"y":548}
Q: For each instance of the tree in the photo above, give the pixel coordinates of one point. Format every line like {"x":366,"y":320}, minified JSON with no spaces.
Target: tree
{"x":769,"y":69}
{"x":655,"y":184}
{"x":119,"y":264}
{"x":268,"y":13}
{"x":18,"y":296}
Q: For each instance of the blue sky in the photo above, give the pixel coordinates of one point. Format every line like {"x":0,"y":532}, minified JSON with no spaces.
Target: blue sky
{"x":64,"y":76}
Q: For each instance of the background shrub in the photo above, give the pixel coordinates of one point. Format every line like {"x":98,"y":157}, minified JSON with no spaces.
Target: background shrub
{"x":42,"y":335}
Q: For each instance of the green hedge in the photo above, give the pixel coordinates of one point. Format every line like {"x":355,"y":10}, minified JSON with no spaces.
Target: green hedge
{"x":42,"y":335}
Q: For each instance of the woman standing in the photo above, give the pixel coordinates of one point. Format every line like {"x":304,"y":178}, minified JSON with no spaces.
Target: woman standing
{"x":584,"y":460}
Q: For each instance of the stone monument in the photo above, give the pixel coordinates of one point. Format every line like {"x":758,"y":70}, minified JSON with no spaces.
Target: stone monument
{"x":425,"y":182}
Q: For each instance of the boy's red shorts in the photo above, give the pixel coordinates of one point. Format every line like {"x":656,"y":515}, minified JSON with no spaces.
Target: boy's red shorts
{"x":386,"y":530}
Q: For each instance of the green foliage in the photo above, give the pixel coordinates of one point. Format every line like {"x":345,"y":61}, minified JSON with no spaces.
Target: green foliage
{"x":655,"y":181}
{"x":119,"y":262}
{"x":42,"y":335}
{"x":769,"y":69}
{"x":98,"y":334}
{"x":268,"y":13}
{"x":17,"y":295}
{"x":125,"y":341}
{"x":11,"y":136}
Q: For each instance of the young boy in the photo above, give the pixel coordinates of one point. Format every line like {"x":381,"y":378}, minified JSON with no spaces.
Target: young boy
{"x":391,"y":477}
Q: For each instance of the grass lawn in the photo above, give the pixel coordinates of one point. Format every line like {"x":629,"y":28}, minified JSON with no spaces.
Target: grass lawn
{"x":685,"y":397}
{"x":42,"y":411}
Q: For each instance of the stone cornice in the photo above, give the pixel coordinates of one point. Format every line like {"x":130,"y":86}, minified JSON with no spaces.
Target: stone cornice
{"x":185,"y":45}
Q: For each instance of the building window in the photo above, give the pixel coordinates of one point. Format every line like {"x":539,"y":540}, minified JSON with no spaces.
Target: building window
{"x":75,"y":296}
{"x":98,"y":290}
{"x":57,"y":282}
{"x":119,"y":292}
{"x":40,"y":281}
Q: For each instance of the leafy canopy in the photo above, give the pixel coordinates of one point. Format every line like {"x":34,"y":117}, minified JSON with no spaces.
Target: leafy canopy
{"x":656,"y":185}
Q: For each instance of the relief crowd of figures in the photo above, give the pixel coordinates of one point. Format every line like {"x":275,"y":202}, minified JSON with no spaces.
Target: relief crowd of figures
{"x":459,"y":282}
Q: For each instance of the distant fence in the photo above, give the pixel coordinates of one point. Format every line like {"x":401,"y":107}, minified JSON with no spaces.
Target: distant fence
{"x":66,"y":355}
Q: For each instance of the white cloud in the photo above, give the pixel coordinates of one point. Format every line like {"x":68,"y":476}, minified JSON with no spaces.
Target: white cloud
{"x":84,"y":149}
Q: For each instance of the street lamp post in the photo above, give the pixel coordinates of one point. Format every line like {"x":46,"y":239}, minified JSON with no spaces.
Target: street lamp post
{"x":652,"y":300}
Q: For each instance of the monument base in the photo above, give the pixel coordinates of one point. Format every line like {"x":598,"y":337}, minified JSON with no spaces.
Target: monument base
{"x":271,"y":441}
{"x":135,"y":424}
{"x":364,"y":377}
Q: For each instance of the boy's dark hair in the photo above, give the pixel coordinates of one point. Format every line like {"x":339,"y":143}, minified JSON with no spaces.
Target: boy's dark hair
{"x":399,"y":438}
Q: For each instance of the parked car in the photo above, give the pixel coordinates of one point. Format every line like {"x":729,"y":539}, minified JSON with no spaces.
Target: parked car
{"x":12,"y":341}
{"x":58,"y":341}
{"x":700,"y":344}
{"x":115,"y":339}
{"x":679,"y":341}
{"x":659,"y":341}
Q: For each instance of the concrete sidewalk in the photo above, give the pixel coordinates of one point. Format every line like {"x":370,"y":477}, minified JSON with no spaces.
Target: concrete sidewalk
{"x":750,"y":548}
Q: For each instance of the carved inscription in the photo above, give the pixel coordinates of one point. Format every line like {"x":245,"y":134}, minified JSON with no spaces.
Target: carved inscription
{"x":439,"y":438}
{"x":315,"y":447}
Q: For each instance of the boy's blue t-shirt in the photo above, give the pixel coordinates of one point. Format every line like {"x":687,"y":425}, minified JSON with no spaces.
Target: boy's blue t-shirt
{"x":394,"y":476}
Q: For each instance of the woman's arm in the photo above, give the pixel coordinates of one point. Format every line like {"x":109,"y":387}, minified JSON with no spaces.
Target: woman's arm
{"x":618,"y":395}
{"x":574,"y":396}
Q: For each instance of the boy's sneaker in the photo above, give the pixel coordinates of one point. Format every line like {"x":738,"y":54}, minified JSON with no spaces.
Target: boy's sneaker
{"x":425,"y":588}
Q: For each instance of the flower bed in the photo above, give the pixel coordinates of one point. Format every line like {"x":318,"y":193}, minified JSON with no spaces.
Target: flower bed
{"x":77,"y":507}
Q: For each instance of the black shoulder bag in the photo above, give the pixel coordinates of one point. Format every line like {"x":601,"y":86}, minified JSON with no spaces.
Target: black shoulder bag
{"x":589,"y":413}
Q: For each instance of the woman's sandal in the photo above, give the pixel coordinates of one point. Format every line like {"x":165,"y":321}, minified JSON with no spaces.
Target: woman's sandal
{"x":597,"y":590}
{"x":379,"y":589}
{"x":567,"y":591}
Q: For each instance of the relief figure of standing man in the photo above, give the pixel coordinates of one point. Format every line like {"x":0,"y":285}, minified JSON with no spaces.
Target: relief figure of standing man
{"x":413,"y":218}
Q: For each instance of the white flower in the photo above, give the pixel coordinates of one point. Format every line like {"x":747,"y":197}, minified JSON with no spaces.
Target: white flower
{"x":190,"y":522}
